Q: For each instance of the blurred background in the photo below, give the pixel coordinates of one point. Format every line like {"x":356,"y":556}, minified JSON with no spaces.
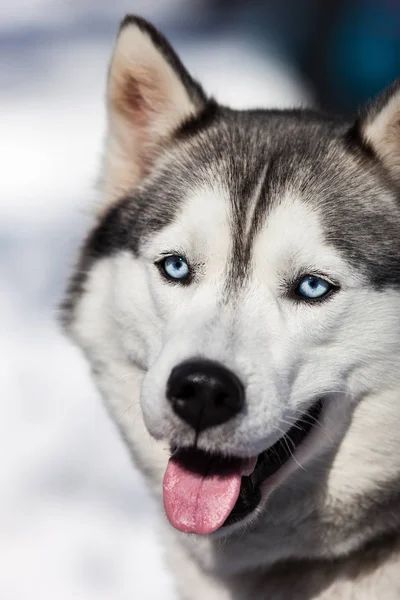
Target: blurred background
{"x":75,"y":518}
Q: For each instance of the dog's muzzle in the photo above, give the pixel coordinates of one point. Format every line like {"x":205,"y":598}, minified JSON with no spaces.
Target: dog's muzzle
{"x":202,"y":491}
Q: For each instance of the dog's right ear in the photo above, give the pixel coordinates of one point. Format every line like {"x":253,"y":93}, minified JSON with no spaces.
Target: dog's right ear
{"x":379,"y":127}
{"x":149,"y":95}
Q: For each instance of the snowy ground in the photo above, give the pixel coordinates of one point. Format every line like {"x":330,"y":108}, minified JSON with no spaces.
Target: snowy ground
{"x":75,"y":518}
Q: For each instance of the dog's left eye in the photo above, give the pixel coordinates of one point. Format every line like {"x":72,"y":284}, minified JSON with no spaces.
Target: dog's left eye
{"x":313,"y":287}
{"x":175,"y":267}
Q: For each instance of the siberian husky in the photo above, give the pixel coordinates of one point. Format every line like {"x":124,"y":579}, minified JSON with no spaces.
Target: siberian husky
{"x":242,"y":281}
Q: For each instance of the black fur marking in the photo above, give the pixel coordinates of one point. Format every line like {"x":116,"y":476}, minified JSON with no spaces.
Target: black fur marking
{"x":356,"y":142}
{"x":124,"y":227}
{"x":200,"y":122}
{"x":244,"y":201}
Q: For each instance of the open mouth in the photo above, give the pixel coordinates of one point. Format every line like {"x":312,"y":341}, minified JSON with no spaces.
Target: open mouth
{"x":204,"y":492}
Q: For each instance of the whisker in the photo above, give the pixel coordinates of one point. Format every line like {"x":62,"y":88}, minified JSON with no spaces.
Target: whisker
{"x":287,"y":438}
{"x":134,"y":405}
{"x":293,"y":424}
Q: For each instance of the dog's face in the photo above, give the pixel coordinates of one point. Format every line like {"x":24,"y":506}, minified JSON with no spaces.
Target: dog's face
{"x":244,"y":272}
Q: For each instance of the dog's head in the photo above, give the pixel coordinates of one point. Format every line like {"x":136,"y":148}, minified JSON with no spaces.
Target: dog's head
{"x":244,"y":273}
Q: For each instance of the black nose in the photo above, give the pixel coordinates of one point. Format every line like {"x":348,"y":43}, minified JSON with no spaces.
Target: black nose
{"x":204,"y":393}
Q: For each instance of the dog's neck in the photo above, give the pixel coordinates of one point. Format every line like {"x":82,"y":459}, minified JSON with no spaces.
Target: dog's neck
{"x":373,"y":567}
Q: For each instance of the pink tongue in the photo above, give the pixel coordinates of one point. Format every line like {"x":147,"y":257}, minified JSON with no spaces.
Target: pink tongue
{"x":197,"y":502}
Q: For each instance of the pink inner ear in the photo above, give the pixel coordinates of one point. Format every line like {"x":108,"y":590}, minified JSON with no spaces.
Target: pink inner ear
{"x":140,"y":97}
{"x":138,"y":100}
{"x":146,"y":101}
{"x":127,"y":99}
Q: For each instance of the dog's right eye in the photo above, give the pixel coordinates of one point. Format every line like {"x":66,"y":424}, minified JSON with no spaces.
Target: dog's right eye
{"x":312,"y":287}
{"x":174,"y":267}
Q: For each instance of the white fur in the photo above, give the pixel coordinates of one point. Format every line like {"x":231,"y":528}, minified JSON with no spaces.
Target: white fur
{"x":135,"y":328}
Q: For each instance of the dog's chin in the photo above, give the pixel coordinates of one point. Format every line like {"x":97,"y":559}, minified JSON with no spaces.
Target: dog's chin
{"x":209,"y":493}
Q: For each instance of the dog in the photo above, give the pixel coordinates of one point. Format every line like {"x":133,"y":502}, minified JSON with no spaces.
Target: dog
{"x":241,"y":281}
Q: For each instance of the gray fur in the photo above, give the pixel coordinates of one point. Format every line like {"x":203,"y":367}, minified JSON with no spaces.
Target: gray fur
{"x":304,"y":152}
{"x":332,"y":529}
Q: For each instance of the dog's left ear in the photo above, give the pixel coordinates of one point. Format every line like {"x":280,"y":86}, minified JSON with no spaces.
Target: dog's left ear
{"x":379,"y":127}
{"x":149,"y":95}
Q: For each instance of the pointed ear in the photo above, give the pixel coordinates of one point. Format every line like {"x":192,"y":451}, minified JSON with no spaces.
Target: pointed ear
{"x":379,"y":127}
{"x":149,"y":95}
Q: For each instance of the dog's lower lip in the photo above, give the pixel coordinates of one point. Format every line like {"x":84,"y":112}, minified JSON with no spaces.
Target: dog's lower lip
{"x":270,"y":461}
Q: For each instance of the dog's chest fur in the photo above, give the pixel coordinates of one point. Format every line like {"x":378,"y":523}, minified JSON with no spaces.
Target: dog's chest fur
{"x":368,"y":575}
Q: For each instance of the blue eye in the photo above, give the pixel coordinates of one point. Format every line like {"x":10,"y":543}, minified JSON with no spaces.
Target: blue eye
{"x":313,"y":287}
{"x":175,"y":267}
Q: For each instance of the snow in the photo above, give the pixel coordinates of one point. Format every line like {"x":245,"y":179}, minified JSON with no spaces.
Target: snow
{"x":75,"y":517}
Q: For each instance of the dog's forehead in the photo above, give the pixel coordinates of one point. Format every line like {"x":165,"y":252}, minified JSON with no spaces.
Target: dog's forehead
{"x":220,"y":186}
{"x":285,"y":237}
{"x":210,"y":223}
{"x":248,"y":167}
